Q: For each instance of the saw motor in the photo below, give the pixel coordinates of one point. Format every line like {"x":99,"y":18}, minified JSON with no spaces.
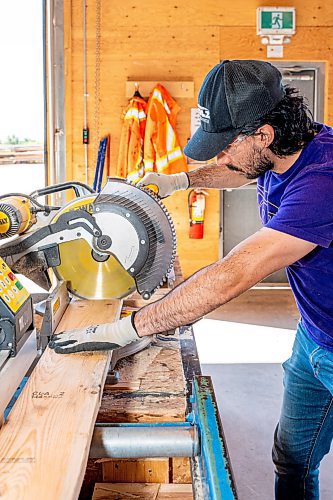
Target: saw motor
{"x":16,"y":215}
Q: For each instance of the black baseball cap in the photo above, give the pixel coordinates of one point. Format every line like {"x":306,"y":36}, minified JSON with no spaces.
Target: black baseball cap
{"x":233,"y":94}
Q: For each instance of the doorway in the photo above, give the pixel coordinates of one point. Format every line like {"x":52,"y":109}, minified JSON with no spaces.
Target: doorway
{"x":22,"y":96}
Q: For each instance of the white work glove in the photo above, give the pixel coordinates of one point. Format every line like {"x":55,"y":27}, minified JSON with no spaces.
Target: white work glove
{"x":165,"y":184}
{"x":96,"y":338}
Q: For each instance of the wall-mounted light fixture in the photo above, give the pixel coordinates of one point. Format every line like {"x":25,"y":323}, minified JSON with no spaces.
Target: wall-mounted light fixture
{"x":276,"y":26}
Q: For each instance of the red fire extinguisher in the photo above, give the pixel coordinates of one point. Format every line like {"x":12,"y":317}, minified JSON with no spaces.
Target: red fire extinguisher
{"x":196,"y":206}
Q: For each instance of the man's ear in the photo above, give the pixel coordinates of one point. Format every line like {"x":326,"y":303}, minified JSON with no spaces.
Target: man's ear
{"x":266,"y":135}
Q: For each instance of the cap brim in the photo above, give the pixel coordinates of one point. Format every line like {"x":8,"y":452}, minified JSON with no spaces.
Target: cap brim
{"x":205,"y":145}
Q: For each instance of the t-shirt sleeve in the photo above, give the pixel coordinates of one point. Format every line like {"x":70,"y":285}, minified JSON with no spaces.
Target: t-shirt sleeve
{"x":306,"y":209}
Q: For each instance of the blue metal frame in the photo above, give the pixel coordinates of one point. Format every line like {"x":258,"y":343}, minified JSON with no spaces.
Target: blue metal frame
{"x":215,"y":478}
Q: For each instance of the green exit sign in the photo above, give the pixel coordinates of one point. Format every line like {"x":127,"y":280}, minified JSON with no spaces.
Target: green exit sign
{"x":276,"y":20}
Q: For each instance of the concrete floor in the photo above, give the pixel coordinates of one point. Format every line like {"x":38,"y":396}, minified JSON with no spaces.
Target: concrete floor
{"x":241,"y":346}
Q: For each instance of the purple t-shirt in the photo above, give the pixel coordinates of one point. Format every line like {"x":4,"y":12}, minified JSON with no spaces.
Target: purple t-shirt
{"x":299,"y":202}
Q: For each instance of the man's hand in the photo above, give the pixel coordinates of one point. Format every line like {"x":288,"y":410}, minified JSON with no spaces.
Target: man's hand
{"x":96,"y":338}
{"x":165,"y":184}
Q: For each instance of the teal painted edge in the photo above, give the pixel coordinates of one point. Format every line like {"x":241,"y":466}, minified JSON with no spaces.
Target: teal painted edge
{"x":214,"y":456}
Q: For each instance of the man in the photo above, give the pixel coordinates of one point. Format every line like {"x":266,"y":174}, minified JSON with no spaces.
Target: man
{"x":257,"y":129}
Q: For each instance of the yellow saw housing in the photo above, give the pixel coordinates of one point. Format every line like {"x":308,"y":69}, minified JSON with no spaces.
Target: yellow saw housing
{"x":16,"y":216}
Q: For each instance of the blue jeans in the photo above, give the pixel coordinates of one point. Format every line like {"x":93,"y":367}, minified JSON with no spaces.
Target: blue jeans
{"x":305,"y":430}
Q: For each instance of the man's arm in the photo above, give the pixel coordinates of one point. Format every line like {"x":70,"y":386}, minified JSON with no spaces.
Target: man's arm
{"x":252,"y":260}
{"x":216,"y":176}
{"x":247,"y":264}
{"x":207,"y":176}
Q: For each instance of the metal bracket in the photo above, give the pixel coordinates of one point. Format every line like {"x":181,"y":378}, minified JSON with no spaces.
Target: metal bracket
{"x":211,"y":469}
{"x":12,"y":370}
{"x":55,"y":306}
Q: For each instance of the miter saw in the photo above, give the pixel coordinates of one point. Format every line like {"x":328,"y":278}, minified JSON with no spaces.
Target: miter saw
{"x":97,"y":246}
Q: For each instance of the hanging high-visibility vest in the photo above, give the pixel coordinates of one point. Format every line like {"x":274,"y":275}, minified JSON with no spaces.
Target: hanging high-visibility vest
{"x":162,"y":151}
{"x":130,"y":159}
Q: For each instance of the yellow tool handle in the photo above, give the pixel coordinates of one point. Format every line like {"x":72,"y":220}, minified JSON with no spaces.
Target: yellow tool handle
{"x":153,"y":188}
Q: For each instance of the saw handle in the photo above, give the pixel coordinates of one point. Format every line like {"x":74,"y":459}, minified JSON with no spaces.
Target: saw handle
{"x":80,"y":189}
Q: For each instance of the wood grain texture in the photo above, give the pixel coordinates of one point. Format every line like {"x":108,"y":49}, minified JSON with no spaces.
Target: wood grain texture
{"x":45,"y":442}
{"x":157,"y":388}
{"x":175,"y":492}
{"x":68,"y":90}
{"x":137,"y":491}
{"x":212,"y":13}
{"x":195,"y":254}
{"x":149,"y":470}
{"x":180,"y":471}
{"x":176,"y":89}
{"x":158,"y":397}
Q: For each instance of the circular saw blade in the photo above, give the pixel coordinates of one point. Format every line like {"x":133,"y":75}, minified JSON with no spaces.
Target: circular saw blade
{"x":87,"y":278}
{"x":142,"y":244}
{"x":153,"y":215}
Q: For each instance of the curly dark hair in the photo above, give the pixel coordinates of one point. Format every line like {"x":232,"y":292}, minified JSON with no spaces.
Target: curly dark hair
{"x":292,"y":122}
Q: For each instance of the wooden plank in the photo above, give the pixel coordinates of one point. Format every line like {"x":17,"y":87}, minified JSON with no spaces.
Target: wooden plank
{"x":68,"y":91}
{"x":223,"y":13}
{"x":175,"y":492}
{"x":180,"y":471}
{"x":137,"y":491}
{"x":191,"y":40}
{"x":156,"y":378}
{"x":146,"y":470}
{"x":44,"y":444}
{"x":175,"y":89}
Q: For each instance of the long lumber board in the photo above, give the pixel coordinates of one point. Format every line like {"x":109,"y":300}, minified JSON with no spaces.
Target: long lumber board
{"x":44,"y":444}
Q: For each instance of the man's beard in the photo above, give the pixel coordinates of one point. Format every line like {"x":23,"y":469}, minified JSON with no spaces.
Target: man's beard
{"x":257,"y":164}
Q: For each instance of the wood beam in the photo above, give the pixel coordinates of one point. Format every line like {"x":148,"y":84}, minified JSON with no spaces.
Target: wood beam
{"x":44,"y":444}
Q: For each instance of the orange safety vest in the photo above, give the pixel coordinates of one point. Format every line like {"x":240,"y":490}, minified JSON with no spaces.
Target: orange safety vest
{"x":130,"y":159}
{"x":162,"y":151}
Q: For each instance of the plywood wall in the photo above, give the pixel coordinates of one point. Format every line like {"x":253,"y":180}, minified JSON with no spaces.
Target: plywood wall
{"x":171,"y":40}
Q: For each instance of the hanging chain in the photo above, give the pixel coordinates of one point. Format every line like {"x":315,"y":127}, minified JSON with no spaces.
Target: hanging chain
{"x":97,"y":83}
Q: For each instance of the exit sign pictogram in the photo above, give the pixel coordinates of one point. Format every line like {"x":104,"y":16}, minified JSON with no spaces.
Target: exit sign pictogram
{"x":276,"y":20}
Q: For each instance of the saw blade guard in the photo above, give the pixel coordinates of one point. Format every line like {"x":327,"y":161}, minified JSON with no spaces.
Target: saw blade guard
{"x":135,"y":251}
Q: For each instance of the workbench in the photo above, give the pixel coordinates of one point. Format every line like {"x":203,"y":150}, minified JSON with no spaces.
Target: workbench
{"x":72,"y":427}
{"x":152,"y":388}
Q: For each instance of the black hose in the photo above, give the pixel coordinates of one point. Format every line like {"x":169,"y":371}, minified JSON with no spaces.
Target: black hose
{"x":42,"y":208}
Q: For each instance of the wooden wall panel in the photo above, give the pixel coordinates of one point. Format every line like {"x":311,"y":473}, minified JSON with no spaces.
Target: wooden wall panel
{"x":209,"y":13}
{"x":172,"y":40}
{"x":309,"y":44}
{"x":130,"y":54}
{"x":195,"y":254}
